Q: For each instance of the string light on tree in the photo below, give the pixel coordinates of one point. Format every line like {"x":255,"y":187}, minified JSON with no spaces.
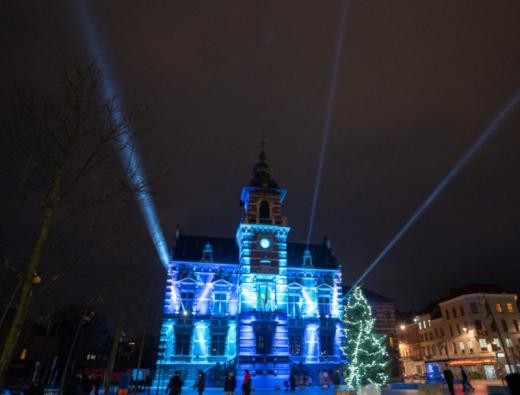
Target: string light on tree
{"x":365,"y":350}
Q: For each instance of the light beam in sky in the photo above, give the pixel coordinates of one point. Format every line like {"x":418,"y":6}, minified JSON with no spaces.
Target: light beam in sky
{"x":470,"y":152}
{"x":329,"y":107}
{"x":129,"y":155}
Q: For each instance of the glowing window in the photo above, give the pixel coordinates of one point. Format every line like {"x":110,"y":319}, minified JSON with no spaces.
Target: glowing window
{"x":295,"y":345}
{"x":220,"y":304}
{"x":483,"y":344}
{"x":293,"y":306}
{"x":23,"y":354}
{"x":324,"y":305}
{"x":510,"y":308}
{"x":182,"y":343}
{"x":498,"y":308}
{"x":218,"y":344}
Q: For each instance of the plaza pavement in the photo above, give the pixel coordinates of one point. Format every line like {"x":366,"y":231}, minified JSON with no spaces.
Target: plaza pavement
{"x":481,"y":388}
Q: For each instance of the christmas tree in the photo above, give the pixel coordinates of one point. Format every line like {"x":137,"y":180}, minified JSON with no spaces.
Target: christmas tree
{"x":365,"y":350}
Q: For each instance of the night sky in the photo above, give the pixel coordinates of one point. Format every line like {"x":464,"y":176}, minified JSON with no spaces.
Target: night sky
{"x":418,"y":82}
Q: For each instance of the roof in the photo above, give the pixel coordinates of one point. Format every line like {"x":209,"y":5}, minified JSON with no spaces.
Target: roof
{"x":370,"y":295}
{"x":189,"y":248}
{"x":434,"y":310}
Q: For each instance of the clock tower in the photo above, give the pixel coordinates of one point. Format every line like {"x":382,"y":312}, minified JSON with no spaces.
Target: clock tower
{"x":262,"y":233}
{"x":262,"y":256}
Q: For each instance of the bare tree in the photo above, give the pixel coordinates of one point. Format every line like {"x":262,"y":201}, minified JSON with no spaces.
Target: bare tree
{"x":56,"y":140}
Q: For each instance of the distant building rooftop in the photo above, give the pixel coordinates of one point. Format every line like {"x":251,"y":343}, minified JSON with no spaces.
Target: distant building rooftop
{"x":370,"y":296}
{"x":434,"y":310}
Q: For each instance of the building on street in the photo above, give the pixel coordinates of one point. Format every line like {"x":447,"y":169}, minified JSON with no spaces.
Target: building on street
{"x":477,"y":327}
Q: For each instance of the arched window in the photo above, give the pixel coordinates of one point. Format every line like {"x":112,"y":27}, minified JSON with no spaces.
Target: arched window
{"x":264,"y":210}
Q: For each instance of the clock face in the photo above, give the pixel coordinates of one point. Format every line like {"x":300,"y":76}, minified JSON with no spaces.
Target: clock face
{"x":264,"y":243}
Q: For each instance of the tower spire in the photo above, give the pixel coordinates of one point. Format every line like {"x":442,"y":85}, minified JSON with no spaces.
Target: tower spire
{"x":261,"y":156}
{"x":262,"y":171}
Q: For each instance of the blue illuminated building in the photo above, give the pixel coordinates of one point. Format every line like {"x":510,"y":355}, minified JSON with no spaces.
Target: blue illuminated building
{"x":255,"y":301}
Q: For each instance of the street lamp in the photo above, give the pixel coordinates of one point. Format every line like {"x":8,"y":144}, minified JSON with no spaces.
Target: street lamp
{"x":87,"y":316}
{"x":402,"y":327}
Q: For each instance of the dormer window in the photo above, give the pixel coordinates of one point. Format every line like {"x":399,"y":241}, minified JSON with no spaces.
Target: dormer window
{"x":207,"y":253}
{"x":307,"y":259}
{"x":264,"y":212}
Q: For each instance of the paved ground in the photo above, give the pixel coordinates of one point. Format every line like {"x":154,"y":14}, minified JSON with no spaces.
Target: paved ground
{"x":481,"y":388}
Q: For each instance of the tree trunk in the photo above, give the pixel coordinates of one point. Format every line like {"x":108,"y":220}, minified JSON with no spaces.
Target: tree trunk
{"x":113,"y":353}
{"x":49,"y":207}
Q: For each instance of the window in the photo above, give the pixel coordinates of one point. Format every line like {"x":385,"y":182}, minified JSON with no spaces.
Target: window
{"x":327,"y":344}
{"x":454,"y":312}
{"x":509,"y":307}
{"x":483,"y":344}
{"x":478,"y":325}
{"x":458,"y":329}
{"x":220,"y":304}
{"x":441,"y":330}
{"x":324,"y":305}
{"x":182,"y":343}
{"x":461,"y":347}
{"x":187,"y":300}
{"x":293,"y":305}
{"x":496,"y":343}
{"x":473,"y":307}
{"x":295,"y":345}
{"x":498,"y":308}
{"x":504,"y":325}
{"x":454,"y":348}
{"x":515,"y":323}
{"x":451,"y":331}
{"x":509,"y":343}
{"x":263,"y":213}
{"x":436,"y":332}
{"x":420,"y":325}
{"x":23,"y":354}
{"x":461,"y":310}
{"x":434,"y":349}
{"x":447,"y":313}
{"x":470,"y":346}
{"x":218,"y":344}
{"x":494,"y":326}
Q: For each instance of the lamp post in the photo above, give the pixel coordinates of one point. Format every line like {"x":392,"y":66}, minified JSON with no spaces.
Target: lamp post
{"x":86,"y":317}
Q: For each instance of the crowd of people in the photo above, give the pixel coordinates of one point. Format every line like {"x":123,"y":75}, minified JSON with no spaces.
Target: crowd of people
{"x":230,"y":383}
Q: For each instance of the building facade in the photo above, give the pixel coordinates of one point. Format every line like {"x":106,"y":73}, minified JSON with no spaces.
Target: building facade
{"x":478,"y":330}
{"x":256,"y":301}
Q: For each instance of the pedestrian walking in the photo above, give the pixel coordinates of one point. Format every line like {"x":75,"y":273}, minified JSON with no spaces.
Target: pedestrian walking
{"x":97,"y":384}
{"x":246,"y":385}
{"x":448,"y":377}
{"x":466,"y":386}
{"x":230,"y":384}
{"x":201,"y":382}
{"x":175,"y":384}
{"x":292,"y":382}
{"x":124,"y":384}
{"x":86,"y":385}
